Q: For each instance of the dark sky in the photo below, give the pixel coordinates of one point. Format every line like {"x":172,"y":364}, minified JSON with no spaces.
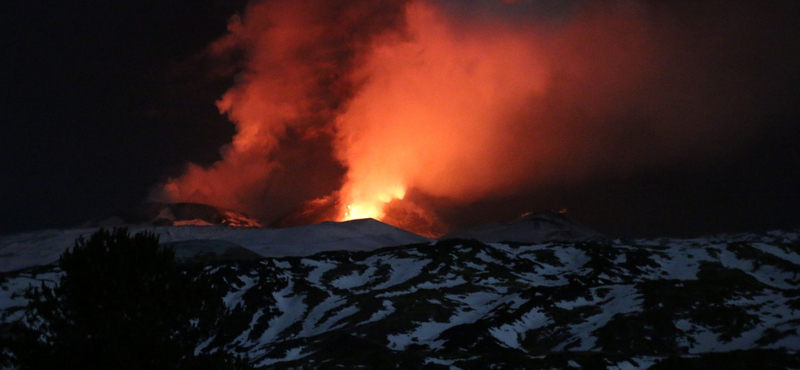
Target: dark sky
{"x":101,"y":101}
{"x":98,"y":104}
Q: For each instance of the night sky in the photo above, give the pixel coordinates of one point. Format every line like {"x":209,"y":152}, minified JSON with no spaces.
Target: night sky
{"x":101,"y":102}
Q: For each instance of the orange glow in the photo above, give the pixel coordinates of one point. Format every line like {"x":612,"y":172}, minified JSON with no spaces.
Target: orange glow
{"x":450,"y":109}
{"x":411,"y":100}
{"x":370,"y":204}
{"x":432,"y":110}
{"x":447,"y":108}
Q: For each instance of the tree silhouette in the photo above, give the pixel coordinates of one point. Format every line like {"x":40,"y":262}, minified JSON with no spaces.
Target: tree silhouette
{"x":122,"y":303}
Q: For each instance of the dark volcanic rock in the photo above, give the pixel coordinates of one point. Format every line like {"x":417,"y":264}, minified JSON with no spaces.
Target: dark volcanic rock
{"x":166,"y":214}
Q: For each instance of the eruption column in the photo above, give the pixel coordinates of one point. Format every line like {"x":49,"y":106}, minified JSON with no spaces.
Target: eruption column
{"x":380,"y":108}
{"x":433,"y":111}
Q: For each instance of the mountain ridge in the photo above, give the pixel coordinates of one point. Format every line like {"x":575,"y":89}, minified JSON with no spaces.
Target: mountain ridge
{"x":463,"y":304}
{"x":23,"y":250}
{"x":364,"y":294}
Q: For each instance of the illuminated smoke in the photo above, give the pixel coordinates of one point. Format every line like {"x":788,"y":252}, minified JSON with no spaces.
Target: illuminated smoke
{"x":434,"y":112}
{"x":419,"y":97}
{"x":293,"y":83}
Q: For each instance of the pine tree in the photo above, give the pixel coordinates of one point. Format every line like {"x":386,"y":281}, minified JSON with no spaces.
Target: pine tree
{"x":122,"y":303}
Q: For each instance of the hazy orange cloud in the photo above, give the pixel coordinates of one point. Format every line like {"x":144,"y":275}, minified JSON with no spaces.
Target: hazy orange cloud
{"x":409,"y":98}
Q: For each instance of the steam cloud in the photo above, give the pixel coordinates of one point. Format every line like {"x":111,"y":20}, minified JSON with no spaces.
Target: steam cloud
{"x":362,"y":108}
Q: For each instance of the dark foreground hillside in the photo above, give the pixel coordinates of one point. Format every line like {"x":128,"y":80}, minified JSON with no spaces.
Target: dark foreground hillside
{"x":727,"y":302}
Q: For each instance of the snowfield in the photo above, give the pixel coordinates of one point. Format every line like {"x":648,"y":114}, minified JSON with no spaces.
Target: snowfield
{"x":44,"y":247}
{"x":364,"y":294}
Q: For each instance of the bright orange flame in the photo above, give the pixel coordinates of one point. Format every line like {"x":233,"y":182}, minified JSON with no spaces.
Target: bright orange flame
{"x":371,"y":203}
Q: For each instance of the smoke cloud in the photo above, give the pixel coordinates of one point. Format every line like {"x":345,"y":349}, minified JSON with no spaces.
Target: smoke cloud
{"x":364,"y":109}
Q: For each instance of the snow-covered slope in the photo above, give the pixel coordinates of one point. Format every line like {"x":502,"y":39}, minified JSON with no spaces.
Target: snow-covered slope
{"x":728,"y":301}
{"x":44,"y":247}
{"x":466,"y":304}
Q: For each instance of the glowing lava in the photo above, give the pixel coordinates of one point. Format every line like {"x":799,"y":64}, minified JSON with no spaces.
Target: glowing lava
{"x":370,"y":205}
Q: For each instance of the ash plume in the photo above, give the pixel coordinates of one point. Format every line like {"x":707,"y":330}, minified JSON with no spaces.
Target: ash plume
{"x":375,"y":108}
